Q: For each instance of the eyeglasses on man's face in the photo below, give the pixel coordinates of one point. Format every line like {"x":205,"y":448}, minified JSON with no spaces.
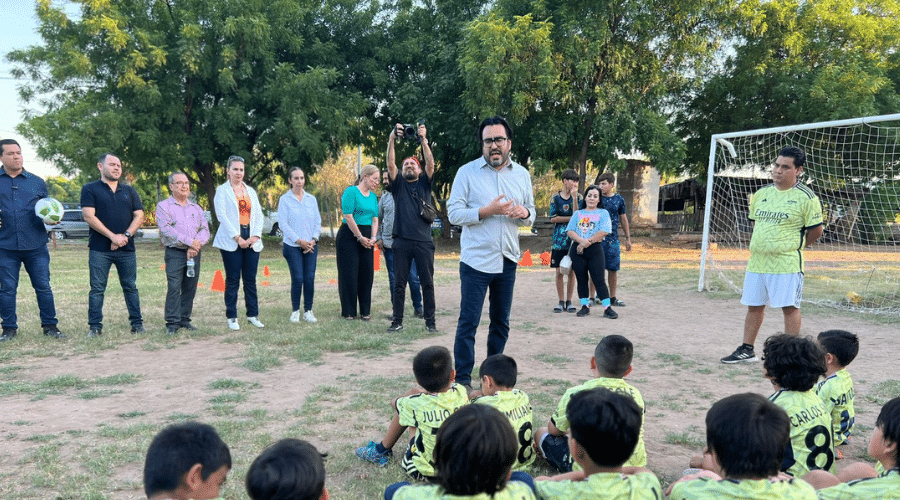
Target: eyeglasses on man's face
{"x":494,"y":140}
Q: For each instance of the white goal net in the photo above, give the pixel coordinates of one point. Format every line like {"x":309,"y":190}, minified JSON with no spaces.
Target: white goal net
{"x":854,"y":168}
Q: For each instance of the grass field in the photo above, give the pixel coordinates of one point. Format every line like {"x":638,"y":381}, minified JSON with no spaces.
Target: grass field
{"x":78,"y":414}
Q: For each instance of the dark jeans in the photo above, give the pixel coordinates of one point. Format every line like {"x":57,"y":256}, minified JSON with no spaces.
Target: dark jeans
{"x":356,"y":271}
{"x":303,"y":275}
{"x":412,"y":255}
{"x":415,"y":288}
{"x":591,"y":261}
{"x":473,"y":288}
{"x":181,"y":288}
{"x":37,"y":265}
{"x":241,"y":263}
{"x":126,"y":267}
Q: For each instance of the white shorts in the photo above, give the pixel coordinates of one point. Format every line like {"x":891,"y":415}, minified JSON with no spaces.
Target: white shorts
{"x":774,"y":290}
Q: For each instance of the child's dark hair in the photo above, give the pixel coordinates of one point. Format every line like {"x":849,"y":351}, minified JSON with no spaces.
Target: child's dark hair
{"x":474,"y":451}
{"x":501,"y":368}
{"x":570,"y":174}
{"x":606,"y":424}
{"x":613,"y":356}
{"x":842,"y":344}
{"x":290,"y":469}
{"x":176,"y":449}
{"x":608,"y":177}
{"x":432,"y":368}
{"x":889,"y":423}
{"x":749,"y":435}
{"x":794,"y":363}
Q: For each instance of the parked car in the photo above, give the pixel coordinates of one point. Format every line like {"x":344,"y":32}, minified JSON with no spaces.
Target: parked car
{"x":72,"y":225}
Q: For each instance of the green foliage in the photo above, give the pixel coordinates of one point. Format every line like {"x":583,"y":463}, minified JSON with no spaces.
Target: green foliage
{"x":797,"y":62}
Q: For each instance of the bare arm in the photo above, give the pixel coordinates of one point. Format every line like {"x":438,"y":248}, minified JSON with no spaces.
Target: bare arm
{"x":814,"y":234}
{"x":391,"y":159}
{"x":90,"y":216}
{"x":426,"y":150}
{"x":623,"y":221}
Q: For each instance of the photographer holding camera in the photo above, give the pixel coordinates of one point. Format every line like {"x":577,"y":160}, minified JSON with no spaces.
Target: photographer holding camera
{"x":412,"y":229}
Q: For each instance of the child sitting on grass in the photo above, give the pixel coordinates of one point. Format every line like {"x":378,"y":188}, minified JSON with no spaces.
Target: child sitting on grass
{"x":474,"y":453}
{"x":836,"y":391}
{"x":424,"y":409}
{"x":610,"y":364}
{"x":498,"y":379}
{"x":794,"y":365}
{"x":604,"y":428}
{"x":290,"y":469}
{"x":746,"y":439}
{"x":864,"y":482}
{"x":186,"y":461}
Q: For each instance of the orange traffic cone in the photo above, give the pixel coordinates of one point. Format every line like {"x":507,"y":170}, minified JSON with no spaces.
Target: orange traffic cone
{"x":526,"y":259}
{"x":162,"y":267}
{"x":377,"y":259}
{"x":218,"y":283}
{"x":265,"y":283}
{"x":545,"y":259}
{"x":266,"y":271}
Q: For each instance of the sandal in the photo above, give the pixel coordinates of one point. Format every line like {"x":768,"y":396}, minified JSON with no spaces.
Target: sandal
{"x":569,"y":307}
{"x":350,"y":317}
{"x":558,"y":308}
{"x":365,"y":318}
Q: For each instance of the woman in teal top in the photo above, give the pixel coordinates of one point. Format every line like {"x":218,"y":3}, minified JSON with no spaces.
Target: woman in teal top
{"x":355,"y":243}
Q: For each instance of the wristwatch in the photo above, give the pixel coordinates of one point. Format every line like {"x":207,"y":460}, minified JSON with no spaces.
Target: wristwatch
{"x":127,"y":234}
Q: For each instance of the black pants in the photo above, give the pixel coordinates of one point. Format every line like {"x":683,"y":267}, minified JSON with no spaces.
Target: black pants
{"x":590,"y":261}
{"x":356,"y":270}
{"x":405,"y":251}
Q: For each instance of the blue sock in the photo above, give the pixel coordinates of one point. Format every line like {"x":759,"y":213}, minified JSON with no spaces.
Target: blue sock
{"x":380,"y":448}
{"x":584,"y":302}
{"x":605,"y":303}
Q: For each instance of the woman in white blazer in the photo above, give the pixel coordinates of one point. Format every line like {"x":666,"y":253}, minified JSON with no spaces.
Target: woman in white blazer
{"x":239,"y":239}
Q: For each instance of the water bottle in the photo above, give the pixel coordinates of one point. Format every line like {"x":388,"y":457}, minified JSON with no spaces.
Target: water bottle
{"x":190,"y":268}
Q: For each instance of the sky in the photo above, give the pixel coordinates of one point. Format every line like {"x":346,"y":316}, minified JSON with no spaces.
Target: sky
{"x":19,"y":31}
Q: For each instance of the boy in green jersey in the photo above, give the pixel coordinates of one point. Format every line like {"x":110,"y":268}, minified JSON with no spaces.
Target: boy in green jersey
{"x":836,"y":391}
{"x":604,"y":428}
{"x":424,"y":409}
{"x":498,"y":379}
{"x":794,"y":364}
{"x":610,"y":364}
{"x":474,"y":452}
{"x":746,"y":439}
{"x":186,"y":461}
{"x":883,"y":447}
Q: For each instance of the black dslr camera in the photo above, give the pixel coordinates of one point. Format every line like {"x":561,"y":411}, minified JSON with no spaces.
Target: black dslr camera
{"x":411,"y":132}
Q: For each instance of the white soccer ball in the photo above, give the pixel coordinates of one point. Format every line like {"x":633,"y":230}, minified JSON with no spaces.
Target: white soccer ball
{"x":49,"y":209}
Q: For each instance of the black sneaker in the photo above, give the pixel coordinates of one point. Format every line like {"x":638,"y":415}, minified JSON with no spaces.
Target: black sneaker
{"x":432,"y":329}
{"x":171,"y":330}
{"x":8,"y":334}
{"x":395,"y":327}
{"x":610,"y":314}
{"x":188,"y":326}
{"x":95,"y":332}
{"x":138,"y":329}
{"x":53,"y":332}
{"x":742,"y":354}
{"x":585,"y":310}
{"x":420,"y":313}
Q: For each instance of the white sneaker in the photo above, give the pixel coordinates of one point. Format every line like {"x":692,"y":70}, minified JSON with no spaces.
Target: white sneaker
{"x":295,"y":316}
{"x":233,"y":324}
{"x":308,"y":316}
{"x":255,"y":322}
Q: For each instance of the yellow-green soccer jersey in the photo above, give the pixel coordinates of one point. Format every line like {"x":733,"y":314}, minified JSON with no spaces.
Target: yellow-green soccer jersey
{"x":559,"y":419}
{"x":426,"y":412}
{"x":782,"y":219}
{"x":706,"y":488}
{"x":517,"y":408}
{"x":515,"y":490}
{"x":811,"y":442}
{"x":884,"y":487}
{"x":836,"y":393}
{"x":641,"y":486}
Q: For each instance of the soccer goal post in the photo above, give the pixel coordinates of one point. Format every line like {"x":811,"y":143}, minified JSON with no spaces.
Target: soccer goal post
{"x":854,"y":168}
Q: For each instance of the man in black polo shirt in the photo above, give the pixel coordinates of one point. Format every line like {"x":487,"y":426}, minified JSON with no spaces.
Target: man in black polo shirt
{"x":115,"y":212}
{"x":412,"y":234}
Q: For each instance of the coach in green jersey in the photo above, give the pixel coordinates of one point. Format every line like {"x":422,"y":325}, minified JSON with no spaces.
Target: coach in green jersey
{"x":787,"y":216}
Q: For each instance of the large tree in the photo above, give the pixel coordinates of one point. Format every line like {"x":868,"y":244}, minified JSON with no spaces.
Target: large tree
{"x":587,"y":79}
{"x":183,"y":84}
{"x":794,"y":62}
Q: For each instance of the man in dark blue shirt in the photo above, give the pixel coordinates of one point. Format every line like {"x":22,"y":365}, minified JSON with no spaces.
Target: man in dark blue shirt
{"x":115,"y":212}
{"x":23,"y":240}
